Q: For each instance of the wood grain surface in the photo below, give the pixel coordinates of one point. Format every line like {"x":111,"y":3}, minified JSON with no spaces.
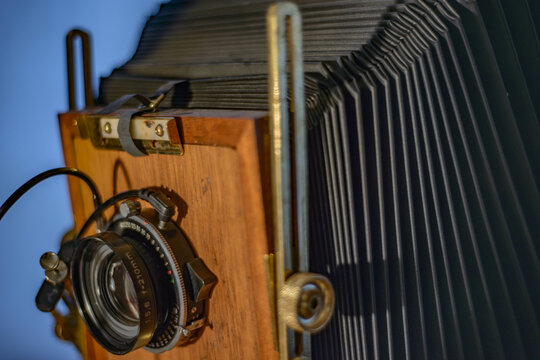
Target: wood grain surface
{"x":218,"y":190}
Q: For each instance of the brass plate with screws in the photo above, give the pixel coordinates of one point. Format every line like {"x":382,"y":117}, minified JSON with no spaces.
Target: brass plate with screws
{"x":155,"y":134}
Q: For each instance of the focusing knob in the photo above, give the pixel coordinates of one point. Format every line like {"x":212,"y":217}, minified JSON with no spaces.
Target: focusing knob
{"x":306,"y":302}
{"x":130,"y":208}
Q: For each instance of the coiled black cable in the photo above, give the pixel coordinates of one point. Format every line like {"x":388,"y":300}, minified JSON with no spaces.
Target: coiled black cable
{"x":45,"y":175}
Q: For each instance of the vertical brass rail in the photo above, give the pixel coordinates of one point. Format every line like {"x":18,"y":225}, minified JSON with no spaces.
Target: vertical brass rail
{"x":283,"y":24}
{"x":303,"y":302}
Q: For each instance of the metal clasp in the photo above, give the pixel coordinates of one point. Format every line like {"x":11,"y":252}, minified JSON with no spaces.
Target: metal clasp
{"x":154,"y":103}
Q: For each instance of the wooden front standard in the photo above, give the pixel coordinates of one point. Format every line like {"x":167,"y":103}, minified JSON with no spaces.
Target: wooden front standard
{"x":218,"y":188}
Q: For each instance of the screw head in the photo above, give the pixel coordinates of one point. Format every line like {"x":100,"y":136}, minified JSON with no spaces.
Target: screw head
{"x":159,"y":130}
{"x":107,"y":128}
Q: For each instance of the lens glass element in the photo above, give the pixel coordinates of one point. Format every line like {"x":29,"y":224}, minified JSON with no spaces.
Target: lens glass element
{"x":108,"y":295}
{"x":120,"y":292}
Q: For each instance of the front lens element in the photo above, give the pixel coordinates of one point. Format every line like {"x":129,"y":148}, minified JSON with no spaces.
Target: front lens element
{"x":107,"y":307}
{"x":120,"y":292}
{"x":111,"y":286}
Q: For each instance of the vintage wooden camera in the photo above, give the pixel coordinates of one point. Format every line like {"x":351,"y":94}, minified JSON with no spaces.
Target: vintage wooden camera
{"x":329,"y":180}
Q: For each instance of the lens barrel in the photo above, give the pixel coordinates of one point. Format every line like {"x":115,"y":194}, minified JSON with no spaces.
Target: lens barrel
{"x":116,"y":292}
{"x":139,"y":283}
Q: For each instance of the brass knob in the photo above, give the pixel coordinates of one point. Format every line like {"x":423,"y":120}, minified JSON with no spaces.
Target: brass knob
{"x":306,"y":302}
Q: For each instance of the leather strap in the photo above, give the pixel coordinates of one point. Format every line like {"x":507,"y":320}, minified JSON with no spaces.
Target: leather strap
{"x":124,"y":133}
{"x":118,"y":103}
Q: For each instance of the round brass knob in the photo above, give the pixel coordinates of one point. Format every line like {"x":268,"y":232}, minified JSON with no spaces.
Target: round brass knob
{"x":306,"y":302}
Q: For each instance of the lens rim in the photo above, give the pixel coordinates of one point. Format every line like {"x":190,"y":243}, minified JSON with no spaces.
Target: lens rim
{"x":142,"y":281}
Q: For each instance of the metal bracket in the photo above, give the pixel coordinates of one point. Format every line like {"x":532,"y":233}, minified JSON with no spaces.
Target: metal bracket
{"x":303,"y":301}
{"x":142,"y":128}
{"x":154,"y":134}
{"x":124,"y":128}
{"x":85,"y":40}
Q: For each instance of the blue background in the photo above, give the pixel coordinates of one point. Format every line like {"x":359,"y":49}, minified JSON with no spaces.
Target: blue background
{"x":32,"y":91}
